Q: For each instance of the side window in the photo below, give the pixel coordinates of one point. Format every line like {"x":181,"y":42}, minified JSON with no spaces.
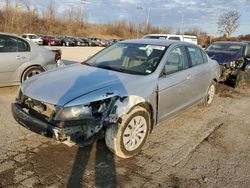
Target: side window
{"x":23,"y":46}
{"x":248,"y":50}
{"x":176,"y":61}
{"x":174,"y":38}
{"x":8,"y":44}
{"x":195,"y":56}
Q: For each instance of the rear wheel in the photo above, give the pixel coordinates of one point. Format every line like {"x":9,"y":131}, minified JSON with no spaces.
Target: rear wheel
{"x":127,"y":138}
{"x":241,"y":79}
{"x":210,"y":94}
{"x":31,"y":71}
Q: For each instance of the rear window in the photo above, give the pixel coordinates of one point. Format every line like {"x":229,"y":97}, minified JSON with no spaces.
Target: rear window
{"x":13,"y":44}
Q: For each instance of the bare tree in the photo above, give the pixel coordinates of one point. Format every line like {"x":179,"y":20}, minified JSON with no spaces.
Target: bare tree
{"x":228,"y":22}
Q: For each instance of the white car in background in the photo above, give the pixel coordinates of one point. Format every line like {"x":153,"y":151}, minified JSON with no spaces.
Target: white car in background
{"x":21,"y":59}
{"x":185,"y":38}
{"x":33,"y":37}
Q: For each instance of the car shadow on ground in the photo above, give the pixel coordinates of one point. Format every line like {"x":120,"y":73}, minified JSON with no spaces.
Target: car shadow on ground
{"x":94,"y":156}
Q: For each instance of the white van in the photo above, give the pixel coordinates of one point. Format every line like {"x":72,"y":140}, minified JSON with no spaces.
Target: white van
{"x":185,"y":38}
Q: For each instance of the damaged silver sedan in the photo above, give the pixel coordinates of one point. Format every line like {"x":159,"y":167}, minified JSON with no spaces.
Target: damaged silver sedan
{"x":125,"y":91}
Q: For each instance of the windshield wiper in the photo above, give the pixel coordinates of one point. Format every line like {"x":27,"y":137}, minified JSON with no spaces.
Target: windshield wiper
{"x":85,"y":63}
{"x":121,"y":70}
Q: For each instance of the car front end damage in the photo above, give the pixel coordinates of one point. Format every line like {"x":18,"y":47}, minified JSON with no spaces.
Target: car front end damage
{"x":230,"y":70}
{"x":74,"y":124}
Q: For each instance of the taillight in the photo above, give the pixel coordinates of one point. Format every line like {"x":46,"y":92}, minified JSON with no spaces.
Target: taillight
{"x":58,"y":55}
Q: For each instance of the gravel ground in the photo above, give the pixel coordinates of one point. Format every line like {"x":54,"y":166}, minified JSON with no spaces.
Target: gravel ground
{"x":202,"y":147}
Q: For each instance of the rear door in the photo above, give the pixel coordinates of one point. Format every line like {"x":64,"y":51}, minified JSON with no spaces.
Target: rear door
{"x":174,"y":87}
{"x":14,"y":52}
{"x":200,"y":72}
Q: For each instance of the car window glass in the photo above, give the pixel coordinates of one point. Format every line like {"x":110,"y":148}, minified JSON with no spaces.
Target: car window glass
{"x":8,"y":44}
{"x":176,"y":61}
{"x":204,"y":56}
{"x":112,"y":55}
{"x":129,"y":58}
{"x":195,"y":56}
{"x":23,"y":46}
{"x":174,"y":38}
{"x":248,"y":50}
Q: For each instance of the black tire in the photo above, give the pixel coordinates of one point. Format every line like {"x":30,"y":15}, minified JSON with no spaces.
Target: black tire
{"x":114,"y":135}
{"x":31,"y":71}
{"x":241,"y":79}
{"x":211,"y":91}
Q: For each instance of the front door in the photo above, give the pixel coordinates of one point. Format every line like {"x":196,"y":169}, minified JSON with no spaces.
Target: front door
{"x":174,"y":88}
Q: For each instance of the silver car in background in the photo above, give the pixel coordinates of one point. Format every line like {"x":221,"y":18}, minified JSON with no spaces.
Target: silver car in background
{"x":125,"y":90}
{"x":33,"y":37}
{"x":21,"y":59}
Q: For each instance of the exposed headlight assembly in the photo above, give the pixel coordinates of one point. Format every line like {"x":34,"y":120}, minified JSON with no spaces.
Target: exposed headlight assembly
{"x":74,"y":113}
{"x":92,"y":110}
{"x":232,"y":64}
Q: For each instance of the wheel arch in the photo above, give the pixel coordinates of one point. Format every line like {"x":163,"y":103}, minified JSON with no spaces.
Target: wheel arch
{"x":31,"y":66}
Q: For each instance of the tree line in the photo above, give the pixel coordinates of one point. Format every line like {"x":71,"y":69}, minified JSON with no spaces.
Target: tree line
{"x":14,"y":19}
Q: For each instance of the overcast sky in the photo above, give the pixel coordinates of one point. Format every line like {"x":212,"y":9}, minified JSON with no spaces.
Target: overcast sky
{"x":196,"y":13}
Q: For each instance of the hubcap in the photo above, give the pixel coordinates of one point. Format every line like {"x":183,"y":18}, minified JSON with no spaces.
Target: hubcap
{"x":134,"y":133}
{"x":33,"y":73}
{"x":211,"y":93}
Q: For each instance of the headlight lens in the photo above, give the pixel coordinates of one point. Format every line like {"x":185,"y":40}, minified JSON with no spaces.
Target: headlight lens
{"x":232,"y":64}
{"x":74,"y":113}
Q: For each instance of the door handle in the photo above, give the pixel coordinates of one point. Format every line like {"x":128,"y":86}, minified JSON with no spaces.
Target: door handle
{"x":20,"y":57}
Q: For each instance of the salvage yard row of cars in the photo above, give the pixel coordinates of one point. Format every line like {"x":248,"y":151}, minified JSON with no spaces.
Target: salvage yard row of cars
{"x":124,"y":91}
{"x":67,"y":41}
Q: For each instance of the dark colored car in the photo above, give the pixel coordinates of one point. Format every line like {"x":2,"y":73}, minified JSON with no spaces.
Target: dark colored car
{"x":66,"y":41}
{"x":78,"y":41}
{"x":51,"y":41}
{"x":234,"y":59}
{"x":90,"y":42}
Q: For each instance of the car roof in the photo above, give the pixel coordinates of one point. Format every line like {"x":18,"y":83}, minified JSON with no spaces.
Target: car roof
{"x":160,"y":42}
{"x":29,"y":34}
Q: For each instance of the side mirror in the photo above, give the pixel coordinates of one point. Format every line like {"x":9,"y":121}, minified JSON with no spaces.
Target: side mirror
{"x":163,"y":73}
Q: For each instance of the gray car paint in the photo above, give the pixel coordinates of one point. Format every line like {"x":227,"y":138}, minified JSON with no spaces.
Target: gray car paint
{"x":13,"y":64}
{"x":81,"y":84}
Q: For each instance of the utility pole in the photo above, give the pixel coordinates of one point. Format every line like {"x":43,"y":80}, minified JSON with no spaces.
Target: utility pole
{"x":148,"y":18}
{"x":82,"y":2}
{"x":138,"y":27}
{"x":182,"y":22}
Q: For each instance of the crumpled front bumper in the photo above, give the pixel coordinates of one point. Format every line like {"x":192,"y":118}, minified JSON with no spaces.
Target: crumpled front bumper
{"x":31,"y":122}
{"x":76,"y":132}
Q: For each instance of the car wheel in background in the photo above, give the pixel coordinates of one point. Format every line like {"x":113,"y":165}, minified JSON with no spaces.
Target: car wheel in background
{"x":126,"y":138}
{"x":210,"y":94}
{"x":241,"y":79}
{"x":31,"y":71}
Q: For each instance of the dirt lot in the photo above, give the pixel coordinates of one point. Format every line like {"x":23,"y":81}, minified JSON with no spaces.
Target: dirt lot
{"x":202,"y":147}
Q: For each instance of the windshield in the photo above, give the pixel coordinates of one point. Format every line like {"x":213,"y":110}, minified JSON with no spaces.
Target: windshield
{"x":34,"y":37}
{"x":129,"y":58}
{"x":226,"y":47}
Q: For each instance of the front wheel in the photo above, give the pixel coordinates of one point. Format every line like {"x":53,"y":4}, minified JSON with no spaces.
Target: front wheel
{"x":210,"y":94}
{"x":31,"y":71}
{"x":126,"y":138}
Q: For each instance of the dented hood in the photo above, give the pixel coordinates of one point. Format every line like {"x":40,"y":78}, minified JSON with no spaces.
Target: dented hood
{"x":65,"y":84}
